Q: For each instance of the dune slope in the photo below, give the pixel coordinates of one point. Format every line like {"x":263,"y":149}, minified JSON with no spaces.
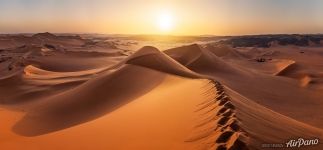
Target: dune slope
{"x":193,"y":97}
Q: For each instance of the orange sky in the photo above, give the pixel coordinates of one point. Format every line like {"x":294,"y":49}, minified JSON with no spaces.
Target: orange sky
{"x":188,"y":17}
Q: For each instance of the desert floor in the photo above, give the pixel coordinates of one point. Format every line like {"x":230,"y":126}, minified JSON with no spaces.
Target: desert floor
{"x":87,"y":92}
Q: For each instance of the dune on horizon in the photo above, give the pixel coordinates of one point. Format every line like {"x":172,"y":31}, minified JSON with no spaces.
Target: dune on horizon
{"x":75,"y":92}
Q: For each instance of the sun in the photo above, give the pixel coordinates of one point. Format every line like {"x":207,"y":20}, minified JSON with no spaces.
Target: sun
{"x":165,"y":21}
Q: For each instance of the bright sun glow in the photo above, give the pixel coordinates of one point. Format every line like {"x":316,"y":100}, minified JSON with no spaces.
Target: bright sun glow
{"x":165,"y":21}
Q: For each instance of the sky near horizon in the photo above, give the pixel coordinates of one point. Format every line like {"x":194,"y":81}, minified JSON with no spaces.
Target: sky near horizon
{"x":177,"y":17}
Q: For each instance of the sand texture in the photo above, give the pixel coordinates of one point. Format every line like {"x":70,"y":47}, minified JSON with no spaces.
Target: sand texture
{"x":73,"y":92}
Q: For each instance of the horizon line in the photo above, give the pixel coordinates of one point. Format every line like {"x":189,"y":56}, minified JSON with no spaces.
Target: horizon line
{"x":147,"y":34}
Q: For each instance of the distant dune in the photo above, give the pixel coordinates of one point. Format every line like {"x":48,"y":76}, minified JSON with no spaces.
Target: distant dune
{"x":238,"y":93}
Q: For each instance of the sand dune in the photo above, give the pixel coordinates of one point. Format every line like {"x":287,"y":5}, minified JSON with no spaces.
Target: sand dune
{"x":88,"y":101}
{"x":61,"y":90}
{"x":203,"y":62}
{"x":152,"y":58}
{"x":238,"y":77}
{"x":37,"y":73}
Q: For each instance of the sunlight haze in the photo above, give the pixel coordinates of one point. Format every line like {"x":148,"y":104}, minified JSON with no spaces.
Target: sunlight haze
{"x":216,"y":17}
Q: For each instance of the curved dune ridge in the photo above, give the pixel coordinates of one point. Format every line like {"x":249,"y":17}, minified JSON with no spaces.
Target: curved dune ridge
{"x":288,"y":69}
{"x":219,"y":127}
{"x":189,"y":97}
{"x":36,"y":73}
{"x":201,"y":60}
{"x":151,"y":57}
{"x":87,"y":101}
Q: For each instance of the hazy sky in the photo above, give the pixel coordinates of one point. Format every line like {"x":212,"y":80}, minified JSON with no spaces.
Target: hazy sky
{"x":186,"y":17}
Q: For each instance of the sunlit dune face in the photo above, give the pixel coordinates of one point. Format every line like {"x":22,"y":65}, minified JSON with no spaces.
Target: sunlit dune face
{"x":165,"y":21}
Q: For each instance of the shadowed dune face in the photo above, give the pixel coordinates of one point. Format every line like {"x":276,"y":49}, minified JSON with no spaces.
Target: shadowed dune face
{"x":205,"y":62}
{"x":209,"y":96}
{"x":88,"y":101}
{"x":272,"y":91}
{"x":151,"y":57}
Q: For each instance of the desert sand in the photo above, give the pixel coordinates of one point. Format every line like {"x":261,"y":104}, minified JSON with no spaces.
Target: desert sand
{"x":79,"y":92}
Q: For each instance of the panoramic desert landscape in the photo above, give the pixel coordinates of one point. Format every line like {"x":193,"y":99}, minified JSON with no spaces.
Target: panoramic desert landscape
{"x":228,"y":93}
{"x":161,"y":75}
